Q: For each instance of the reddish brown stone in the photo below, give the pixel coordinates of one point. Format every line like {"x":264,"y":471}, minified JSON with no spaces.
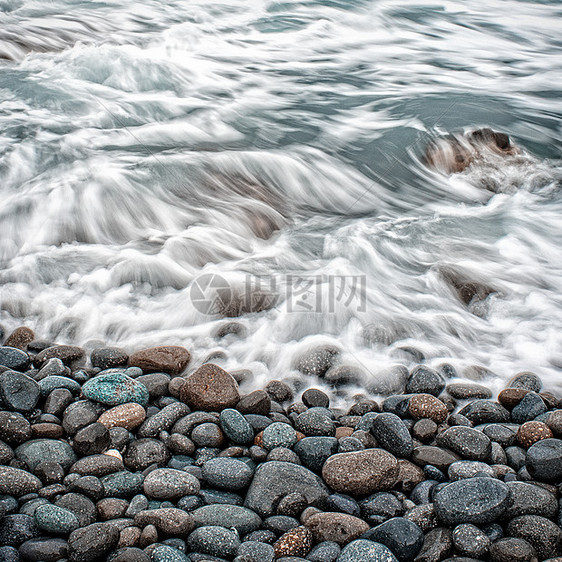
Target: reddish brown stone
{"x":170,"y":359}
{"x":46,"y":431}
{"x":129,"y":416}
{"x":510,"y":397}
{"x":68,"y":354}
{"x":337,"y":527}
{"x":427,"y":406}
{"x":532,"y":431}
{"x":20,"y":338}
{"x":295,"y":542}
{"x":210,"y":388}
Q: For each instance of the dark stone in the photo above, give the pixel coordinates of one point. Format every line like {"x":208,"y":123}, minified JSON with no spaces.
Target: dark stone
{"x":437,"y":545}
{"x":544,"y":460}
{"x":315,"y":422}
{"x":14,"y":428}
{"x":14,"y":358}
{"x":402,"y":537}
{"x":68,"y":354}
{"x":156,"y":384}
{"x":424,"y":380}
{"x":43,"y":550}
{"x":380,"y":506}
{"x":167,"y":359}
{"x":279,"y":391}
{"x":17,"y":482}
{"x":541,"y":533}
{"x":163,"y":420}
{"x":512,"y":550}
{"x":257,"y":402}
{"x":210,"y":388}
{"x":18,"y":391}
{"x":485,"y":411}
{"x":391,"y":434}
{"x":527,"y":381}
{"x":315,"y":398}
{"x":315,"y":451}
{"x":475,"y":500}
{"x":471,"y":541}
{"x":16,"y":529}
{"x":97,"y":465}
{"x":80,"y":414}
{"x":80,"y":505}
{"x":92,"y":543}
{"x":316,"y":361}
{"x":142,"y":453}
{"x":530,"y":406}
{"x":470,"y":443}
{"x":435,"y":456}
{"x":43,"y":450}
{"x":216,"y":541}
{"x":91,"y":439}
{"x":326,"y":551}
{"x":108,"y":358}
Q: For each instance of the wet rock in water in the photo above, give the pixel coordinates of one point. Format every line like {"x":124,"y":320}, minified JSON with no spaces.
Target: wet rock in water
{"x":216,"y":541}
{"x":17,"y":528}
{"x":465,"y":391}
{"x":315,"y":451}
{"x":316,"y":361}
{"x":169,"y":484}
{"x":470,"y":443}
{"x":115,"y":388}
{"x":295,"y":542}
{"x":530,"y":407}
{"x":341,"y":528}
{"x":485,"y":411}
{"x":20,"y":338}
{"x":108,"y":358}
{"x":361,"y":472}
{"x":475,"y":500}
{"x":46,"y":450}
{"x":230,"y":328}
{"x":92,"y":543}
{"x":279,"y":391}
{"x":168,"y":359}
{"x":257,"y":402}
{"x":469,"y":291}
{"x":18,"y":392}
{"x":341,"y":375}
{"x":544,"y":460}
{"x":14,"y":358}
{"x":541,"y":533}
{"x":391,"y":433}
{"x":68,"y":354}
{"x":210,"y":388}
{"x":404,"y":538}
{"x":129,"y":415}
{"x":424,"y":380}
{"x":362,"y":550}
{"x":275,"y":479}
{"x":527,"y":381}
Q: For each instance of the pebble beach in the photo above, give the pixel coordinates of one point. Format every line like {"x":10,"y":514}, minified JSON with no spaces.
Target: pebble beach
{"x":144,"y":457}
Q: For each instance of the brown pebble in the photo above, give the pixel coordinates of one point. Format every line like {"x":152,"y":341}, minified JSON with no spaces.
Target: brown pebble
{"x":20,"y":338}
{"x":424,"y":430}
{"x":337,"y":527}
{"x":258,"y":439}
{"x":111,"y":508}
{"x":149,"y":535}
{"x":550,"y":400}
{"x":343,"y":432}
{"x":427,"y":406}
{"x":129,"y":416}
{"x":46,"y":431}
{"x":174,"y":386}
{"x":554,"y":421}
{"x":295,"y":542}
{"x":210,"y":388}
{"x":532,"y":431}
{"x":510,"y":397}
{"x":171,"y":359}
{"x":129,"y":537}
{"x":409,"y":475}
{"x":366,"y":437}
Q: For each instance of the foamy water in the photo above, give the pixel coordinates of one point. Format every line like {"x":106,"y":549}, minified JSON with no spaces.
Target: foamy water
{"x":147,"y":154}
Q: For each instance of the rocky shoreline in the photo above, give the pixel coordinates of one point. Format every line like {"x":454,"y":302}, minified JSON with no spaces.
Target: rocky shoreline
{"x":136,"y":458}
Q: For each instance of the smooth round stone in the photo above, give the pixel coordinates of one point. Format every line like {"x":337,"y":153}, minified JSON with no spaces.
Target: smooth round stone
{"x":476,"y":500}
{"x":315,"y":422}
{"x":14,"y":358}
{"x":18,"y":391}
{"x":315,"y":451}
{"x":464,"y":391}
{"x":48,"y":384}
{"x":391,"y":434}
{"x":470,"y":540}
{"x":313,"y":397}
{"x":170,"y":359}
{"x":211,"y":497}
{"x":316,"y":361}
{"x":485,"y":411}
{"x":380,"y":506}
{"x":512,"y":550}
{"x":421,"y":406}
{"x":164,"y":553}
{"x":504,"y":434}
{"x":108,"y":358}
{"x":43,"y":550}
{"x":210,"y":388}
{"x":156,"y":384}
{"x":541,"y":533}
{"x":19,"y":338}
{"x":115,"y":388}
{"x":343,"y":504}
{"x":254,"y":551}
{"x":529,"y":499}
{"x":424,"y":380}
{"x":123,"y":484}
{"x":531,"y":406}
{"x":46,"y":450}
{"x":80,"y":505}
{"x":17,"y":482}
{"x":257,"y":402}
{"x":97,"y":465}
{"x":366,"y":551}
{"x":207,"y":435}
{"x":68,"y":354}
{"x":9,"y":554}
{"x":167,"y":520}
{"x":55,"y":520}
{"x":14,"y":428}
{"x":142,"y":453}
{"x":279,"y":391}
{"x":337,"y":527}
{"x":236,"y":427}
{"x":402,"y":537}
{"x":515,"y":457}
{"x":92,"y":543}
{"x":92,"y":439}
{"x":17,"y":528}
{"x":361,"y":472}
{"x":544,"y":460}
{"x":90,"y":486}
{"x":231,"y":516}
{"x":469,"y":443}
{"x":80,"y":414}
{"x":169,"y":484}
{"x":128,"y":553}
{"x":327,"y":551}
{"x":216,"y":541}
{"x":278,"y":435}
{"x":435,"y":456}
{"x":527,"y":381}
{"x":129,"y":415}
{"x":275,"y":479}
{"x":227,"y":473}
{"x":532,"y":431}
